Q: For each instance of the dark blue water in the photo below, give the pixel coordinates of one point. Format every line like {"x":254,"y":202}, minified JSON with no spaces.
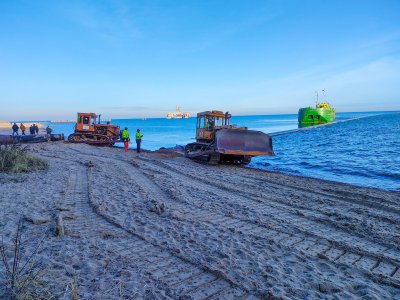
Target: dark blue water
{"x":363,"y":152}
{"x":359,"y":148}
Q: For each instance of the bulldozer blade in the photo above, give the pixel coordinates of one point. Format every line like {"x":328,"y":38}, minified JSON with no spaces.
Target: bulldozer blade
{"x":243,"y":142}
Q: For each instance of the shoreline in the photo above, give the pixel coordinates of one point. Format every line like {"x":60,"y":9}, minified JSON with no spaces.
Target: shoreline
{"x":166,"y":226}
{"x":349,"y":185}
{"x":42,"y":130}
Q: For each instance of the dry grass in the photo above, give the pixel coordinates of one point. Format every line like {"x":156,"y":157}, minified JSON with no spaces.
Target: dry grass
{"x":22,"y":270}
{"x":16,"y":159}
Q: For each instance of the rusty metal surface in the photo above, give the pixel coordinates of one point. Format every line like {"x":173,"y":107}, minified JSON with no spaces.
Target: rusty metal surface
{"x":96,"y":140}
{"x":243,"y":142}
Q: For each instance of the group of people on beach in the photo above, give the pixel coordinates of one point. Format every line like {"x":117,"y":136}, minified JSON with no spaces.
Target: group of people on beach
{"x":126,"y":139}
{"x":33,"y":129}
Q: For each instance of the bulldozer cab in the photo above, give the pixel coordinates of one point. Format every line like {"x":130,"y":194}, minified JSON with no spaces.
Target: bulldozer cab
{"x":210,"y":121}
{"x":85,"y":122}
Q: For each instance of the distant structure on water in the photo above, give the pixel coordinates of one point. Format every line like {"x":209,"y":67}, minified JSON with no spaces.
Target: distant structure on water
{"x":62,"y":121}
{"x":177,"y":114}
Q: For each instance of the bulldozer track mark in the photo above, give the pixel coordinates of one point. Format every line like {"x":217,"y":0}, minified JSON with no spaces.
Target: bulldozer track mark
{"x":302,"y":223}
{"x":323,"y":214}
{"x":342,"y":195}
{"x":365,"y":202}
{"x":305,"y":243}
{"x":278,"y":186}
{"x":279,"y":206}
{"x":151,"y":190}
{"x":350,"y":197}
{"x":319,"y":248}
{"x":155,"y":260}
{"x":206,"y":214}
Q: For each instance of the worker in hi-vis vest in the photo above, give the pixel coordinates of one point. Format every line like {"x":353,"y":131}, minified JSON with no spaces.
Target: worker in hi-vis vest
{"x":138,"y":140}
{"x":125,"y":138}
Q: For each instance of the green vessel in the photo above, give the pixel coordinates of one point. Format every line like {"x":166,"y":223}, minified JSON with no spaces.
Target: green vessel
{"x":320,"y":114}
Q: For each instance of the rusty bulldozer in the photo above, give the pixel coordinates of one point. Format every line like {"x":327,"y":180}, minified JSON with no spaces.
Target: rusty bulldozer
{"x":89,"y":130}
{"x":218,"y":141}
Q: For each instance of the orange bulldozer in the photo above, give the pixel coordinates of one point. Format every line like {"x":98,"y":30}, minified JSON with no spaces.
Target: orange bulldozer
{"x":89,"y":130}
{"x":218,"y":141}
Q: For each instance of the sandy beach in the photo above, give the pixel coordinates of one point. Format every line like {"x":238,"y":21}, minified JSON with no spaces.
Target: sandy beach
{"x":160,"y":226}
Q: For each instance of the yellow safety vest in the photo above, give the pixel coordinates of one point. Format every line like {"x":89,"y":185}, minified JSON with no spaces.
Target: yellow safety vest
{"x":138,"y":137}
{"x":125,"y":134}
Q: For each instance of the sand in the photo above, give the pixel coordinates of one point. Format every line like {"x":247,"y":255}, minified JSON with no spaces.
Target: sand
{"x":160,"y":226}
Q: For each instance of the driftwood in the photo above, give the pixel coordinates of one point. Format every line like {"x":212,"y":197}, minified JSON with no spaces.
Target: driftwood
{"x":37,"y":220}
{"x":74,"y":290}
{"x":89,"y":164}
{"x":158,"y":208}
{"x":60,"y":226}
{"x":62,"y":208}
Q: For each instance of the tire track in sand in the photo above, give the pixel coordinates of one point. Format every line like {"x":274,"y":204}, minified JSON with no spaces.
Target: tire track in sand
{"x":179,"y":277}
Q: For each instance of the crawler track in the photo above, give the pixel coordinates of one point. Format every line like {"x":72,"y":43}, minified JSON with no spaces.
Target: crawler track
{"x":256,"y":210}
{"x":176,"y":276}
{"x":309,"y":236}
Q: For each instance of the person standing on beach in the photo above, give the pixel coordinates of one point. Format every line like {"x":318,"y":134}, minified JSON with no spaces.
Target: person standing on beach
{"x":23,"y":128}
{"x":138,"y":140}
{"x":36,"y":129}
{"x":49,"y":129}
{"x":31,"y":129}
{"x":125,"y":138}
{"x":15,"y":129}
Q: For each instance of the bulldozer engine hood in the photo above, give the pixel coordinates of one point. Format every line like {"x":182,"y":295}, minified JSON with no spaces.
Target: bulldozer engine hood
{"x":243,"y":142}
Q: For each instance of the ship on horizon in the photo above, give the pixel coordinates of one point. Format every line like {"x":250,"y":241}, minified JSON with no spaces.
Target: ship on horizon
{"x":177,"y":114}
{"x":320,"y":114}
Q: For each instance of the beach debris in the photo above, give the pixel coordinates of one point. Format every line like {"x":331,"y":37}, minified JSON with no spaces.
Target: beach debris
{"x":158,"y":208}
{"x":105,"y":235}
{"x":37,"y":220}
{"x":322,"y":256}
{"x":135,"y":164}
{"x":174,"y":192}
{"x":61,"y":208}
{"x":69,"y":217}
{"x":60,"y":226}
{"x":89,"y":164}
{"x":74,"y":289}
{"x":328,"y":287}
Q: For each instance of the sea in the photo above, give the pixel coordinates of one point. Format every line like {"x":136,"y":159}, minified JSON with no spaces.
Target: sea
{"x":360,"y":148}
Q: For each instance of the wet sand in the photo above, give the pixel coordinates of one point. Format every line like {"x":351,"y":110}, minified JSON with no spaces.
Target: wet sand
{"x":159,"y":226}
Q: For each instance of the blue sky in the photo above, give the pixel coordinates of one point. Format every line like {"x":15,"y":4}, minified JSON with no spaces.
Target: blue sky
{"x":141,"y":58}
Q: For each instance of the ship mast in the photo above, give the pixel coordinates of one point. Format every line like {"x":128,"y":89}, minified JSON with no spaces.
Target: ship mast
{"x":324,"y":96}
